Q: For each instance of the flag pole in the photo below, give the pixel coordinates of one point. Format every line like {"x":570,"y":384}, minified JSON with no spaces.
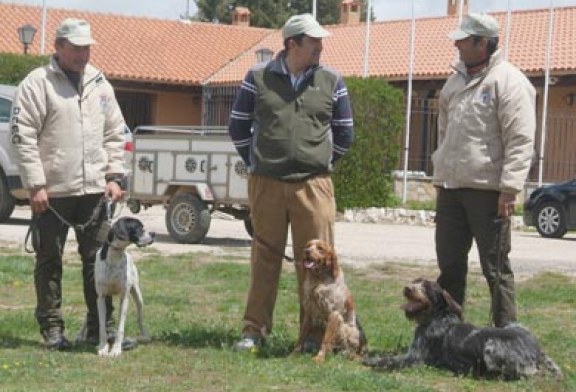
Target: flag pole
{"x":546,"y":88}
{"x":367,"y":39}
{"x":508,"y":30}
{"x":314,"y":8}
{"x":43,"y":29}
{"x":408,"y":106}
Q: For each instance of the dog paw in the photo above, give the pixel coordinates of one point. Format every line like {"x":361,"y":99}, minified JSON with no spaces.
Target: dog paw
{"x":116,"y":351}
{"x":320,"y":358}
{"x":103,"y":350}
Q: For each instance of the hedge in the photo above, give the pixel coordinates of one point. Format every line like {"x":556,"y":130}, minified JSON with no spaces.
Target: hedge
{"x":363,"y":177}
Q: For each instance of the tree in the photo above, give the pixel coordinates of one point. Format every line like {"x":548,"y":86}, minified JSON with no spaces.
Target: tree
{"x":270,"y":13}
{"x":15,"y":67}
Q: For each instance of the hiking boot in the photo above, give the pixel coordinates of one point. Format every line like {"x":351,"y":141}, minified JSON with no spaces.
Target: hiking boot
{"x":55,"y":340}
{"x":310,"y":346}
{"x":250,"y":343}
{"x":94,"y":340}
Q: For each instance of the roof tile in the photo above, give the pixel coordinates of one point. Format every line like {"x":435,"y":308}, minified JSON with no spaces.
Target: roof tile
{"x":174,"y":52}
{"x":132,"y":48}
{"x":433,"y":51}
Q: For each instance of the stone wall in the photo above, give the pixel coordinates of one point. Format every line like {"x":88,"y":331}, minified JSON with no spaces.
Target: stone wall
{"x":401,"y":216}
{"x":419,"y":188}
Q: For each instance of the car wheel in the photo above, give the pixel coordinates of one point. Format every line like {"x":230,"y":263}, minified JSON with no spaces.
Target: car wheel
{"x":551,"y":220}
{"x":6,"y":199}
{"x":187,"y":218}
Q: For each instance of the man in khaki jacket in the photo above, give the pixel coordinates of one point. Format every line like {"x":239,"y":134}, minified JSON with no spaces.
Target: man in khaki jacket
{"x":486,"y":129}
{"x":67,"y":133}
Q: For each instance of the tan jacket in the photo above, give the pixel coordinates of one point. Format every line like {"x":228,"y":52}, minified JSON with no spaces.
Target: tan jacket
{"x":64,"y":140}
{"x":486,"y":129}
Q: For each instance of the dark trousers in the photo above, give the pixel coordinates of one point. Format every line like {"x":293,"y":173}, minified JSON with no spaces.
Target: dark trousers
{"x":49,"y":238}
{"x":463,"y":215}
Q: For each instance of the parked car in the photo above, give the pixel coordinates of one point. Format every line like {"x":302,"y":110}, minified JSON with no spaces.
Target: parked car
{"x":11,"y":192}
{"x":552,"y":209}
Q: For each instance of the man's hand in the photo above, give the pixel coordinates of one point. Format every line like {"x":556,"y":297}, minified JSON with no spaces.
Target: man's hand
{"x":506,"y":203}
{"x":113,"y":191}
{"x":38,"y":200}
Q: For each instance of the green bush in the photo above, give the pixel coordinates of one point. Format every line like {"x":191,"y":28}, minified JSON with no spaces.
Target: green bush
{"x":363,"y":178}
{"x":14,"y":67}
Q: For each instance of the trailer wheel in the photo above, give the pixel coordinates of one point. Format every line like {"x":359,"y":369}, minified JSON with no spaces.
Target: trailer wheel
{"x":134,"y":206}
{"x":187,"y":219}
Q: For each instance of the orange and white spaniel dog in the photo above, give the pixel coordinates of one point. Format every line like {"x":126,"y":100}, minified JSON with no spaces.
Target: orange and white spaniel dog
{"x":328,"y":305}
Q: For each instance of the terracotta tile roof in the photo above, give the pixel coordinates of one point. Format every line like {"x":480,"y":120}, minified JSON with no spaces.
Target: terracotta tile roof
{"x":172,"y":52}
{"x":434,"y":52}
{"x":143,"y":49}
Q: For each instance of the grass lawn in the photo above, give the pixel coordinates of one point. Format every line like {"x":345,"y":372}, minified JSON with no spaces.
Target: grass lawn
{"x":193,"y":310}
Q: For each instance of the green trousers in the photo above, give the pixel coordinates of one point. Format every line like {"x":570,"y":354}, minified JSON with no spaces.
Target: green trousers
{"x":49,"y":238}
{"x":464,"y":215}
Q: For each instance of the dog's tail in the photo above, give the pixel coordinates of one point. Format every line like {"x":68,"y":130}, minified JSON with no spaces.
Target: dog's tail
{"x":363,"y":339}
{"x":551,"y":367}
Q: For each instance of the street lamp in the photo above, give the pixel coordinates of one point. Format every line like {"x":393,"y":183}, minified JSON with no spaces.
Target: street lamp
{"x":264,"y":54}
{"x":26,"y":35}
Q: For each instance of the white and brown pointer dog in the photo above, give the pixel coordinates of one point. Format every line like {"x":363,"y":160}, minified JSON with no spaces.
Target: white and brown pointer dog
{"x":328,"y":305}
{"x":443,"y":340}
{"x":115,"y":274}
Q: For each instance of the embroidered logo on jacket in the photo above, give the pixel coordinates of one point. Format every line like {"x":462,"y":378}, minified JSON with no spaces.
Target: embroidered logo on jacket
{"x":485,"y":95}
{"x":104,"y":102}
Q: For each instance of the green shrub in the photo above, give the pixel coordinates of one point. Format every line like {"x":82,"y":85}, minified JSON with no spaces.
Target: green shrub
{"x":363,"y":178}
{"x":14,"y":67}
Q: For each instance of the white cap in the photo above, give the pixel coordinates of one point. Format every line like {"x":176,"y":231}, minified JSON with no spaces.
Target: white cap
{"x":77,"y":31}
{"x":481,"y":25}
{"x":303,"y":24}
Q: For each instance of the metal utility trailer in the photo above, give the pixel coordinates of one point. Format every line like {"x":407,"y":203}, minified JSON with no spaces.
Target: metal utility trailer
{"x":192,"y":171}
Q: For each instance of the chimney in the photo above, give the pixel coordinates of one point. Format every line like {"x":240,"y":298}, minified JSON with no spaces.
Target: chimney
{"x":241,"y":16}
{"x":350,"y":12}
{"x":453,"y":6}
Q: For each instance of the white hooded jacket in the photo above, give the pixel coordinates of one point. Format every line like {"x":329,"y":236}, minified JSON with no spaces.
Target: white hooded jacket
{"x":486,"y":128}
{"x":64,"y":140}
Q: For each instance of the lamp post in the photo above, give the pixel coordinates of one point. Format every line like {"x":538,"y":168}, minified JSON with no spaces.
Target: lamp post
{"x":26,"y":34}
{"x":264,"y":55}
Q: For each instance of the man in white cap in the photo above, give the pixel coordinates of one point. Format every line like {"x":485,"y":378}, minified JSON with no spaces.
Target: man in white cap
{"x":67,"y":133}
{"x":291,"y":121}
{"x":486,"y":126}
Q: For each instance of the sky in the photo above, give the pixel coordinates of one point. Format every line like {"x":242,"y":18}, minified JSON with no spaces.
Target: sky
{"x":383,"y":9}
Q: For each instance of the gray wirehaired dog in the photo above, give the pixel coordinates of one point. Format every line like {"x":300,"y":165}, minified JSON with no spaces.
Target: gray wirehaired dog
{"x":443,"y":340}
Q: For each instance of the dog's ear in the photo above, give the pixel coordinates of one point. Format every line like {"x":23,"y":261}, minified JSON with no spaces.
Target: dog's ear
{"x":120,"y":230}
{"x":104,"y":251}
{"x":332,"y":260}
{"x":110,"y":236}
{"x":452,"y":305}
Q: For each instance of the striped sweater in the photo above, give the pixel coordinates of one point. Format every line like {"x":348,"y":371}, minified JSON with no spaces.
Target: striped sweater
{"x":291,"y":133}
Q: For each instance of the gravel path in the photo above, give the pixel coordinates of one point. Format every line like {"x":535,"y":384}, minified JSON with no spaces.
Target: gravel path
{"x":358,"y":244}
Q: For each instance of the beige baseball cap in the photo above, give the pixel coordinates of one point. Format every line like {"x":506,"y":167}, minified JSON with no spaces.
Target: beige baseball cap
{"x":77,"y":31}
{"x":481,"y":25}
{"x":303,"y":24}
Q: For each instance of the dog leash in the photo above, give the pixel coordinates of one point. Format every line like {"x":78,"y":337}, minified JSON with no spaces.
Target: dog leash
{"x":501,"y":225}
{"x":81,"y":227}
{"x":262,"y":242}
